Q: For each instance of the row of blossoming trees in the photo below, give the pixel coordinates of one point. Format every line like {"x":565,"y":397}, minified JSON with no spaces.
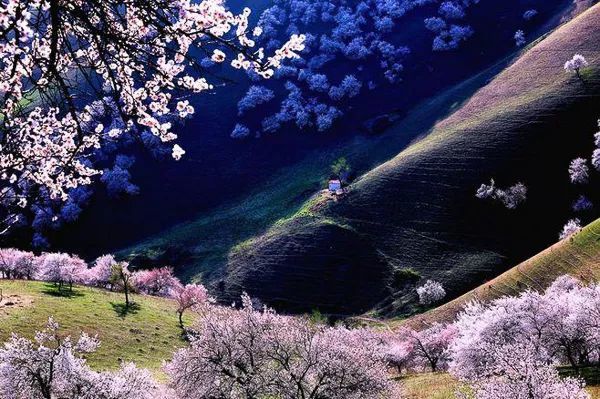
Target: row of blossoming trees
{"x":508,"y":348}
{"x":64,"y":270}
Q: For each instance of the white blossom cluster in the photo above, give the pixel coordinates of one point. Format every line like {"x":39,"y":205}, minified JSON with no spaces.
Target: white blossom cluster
{"x":511,"y":197}
{"x":77,"y":74}
{"x":431,"y":292}
{"x":575,"y":64}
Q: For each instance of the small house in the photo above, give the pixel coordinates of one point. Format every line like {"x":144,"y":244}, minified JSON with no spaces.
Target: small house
{"x":335,"y":185}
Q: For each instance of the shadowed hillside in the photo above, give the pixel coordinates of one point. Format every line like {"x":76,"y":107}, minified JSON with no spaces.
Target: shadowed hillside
{"x":578,"y":256}
{"x":418,"y":210}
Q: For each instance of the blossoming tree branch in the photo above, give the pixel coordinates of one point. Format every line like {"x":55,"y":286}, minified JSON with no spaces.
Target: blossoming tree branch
{"x":78,"y":75}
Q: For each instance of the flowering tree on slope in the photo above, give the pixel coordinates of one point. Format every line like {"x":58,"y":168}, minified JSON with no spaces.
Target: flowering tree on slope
{"x":78,"y":75}
{"x":431,"y":292}
{"x":17,"y":264}
{"x":100,"y":274}
{"x":159,"y":282}
{"x":62,"y":269}
{"x":518,"y":373}
{"x":190,"y":296}
{"x":429,"y":347}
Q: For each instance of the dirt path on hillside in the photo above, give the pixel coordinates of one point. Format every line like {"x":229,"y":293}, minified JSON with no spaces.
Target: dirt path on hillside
{"x":14,"y":301}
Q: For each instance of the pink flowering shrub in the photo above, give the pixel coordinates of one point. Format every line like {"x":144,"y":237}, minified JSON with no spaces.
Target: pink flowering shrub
{"x":561,"y":324}
{"x":518,"y":373}
{"x":190,"y":296}
{"x":17,"y":264}
{"x":99,"y":275}
{"x":62,"y":269}
{"x":158,"y":282}
{"x":428,"y":348}
{"x":575,"y":64}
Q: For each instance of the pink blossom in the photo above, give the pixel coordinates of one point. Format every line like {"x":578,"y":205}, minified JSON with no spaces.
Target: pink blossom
{"x":61,"y":269}
{"x":159,"y":282}
{"x":249,"y":353}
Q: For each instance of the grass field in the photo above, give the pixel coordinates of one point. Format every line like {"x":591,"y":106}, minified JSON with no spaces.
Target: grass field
{"x":443,"y":386}
{"x":147,"y":335}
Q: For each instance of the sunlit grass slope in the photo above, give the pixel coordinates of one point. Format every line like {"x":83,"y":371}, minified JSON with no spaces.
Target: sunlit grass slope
{"x":417,"y":216}
{"x":147,"y":335}
{"x":578,"y":256}
{"x":443,"y":386}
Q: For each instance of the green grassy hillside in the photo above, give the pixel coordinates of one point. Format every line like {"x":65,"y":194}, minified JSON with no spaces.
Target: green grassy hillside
{"x":443,"y":386}
{"x":199,"y":248}
{"x":147,"y":335}
{"x":578,"y":256}
{"x":416,"y":215}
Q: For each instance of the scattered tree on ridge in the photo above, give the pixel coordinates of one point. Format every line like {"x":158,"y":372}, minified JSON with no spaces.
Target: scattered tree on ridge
{"x":189,"y":296}
{"x":122,"y":277}
{"x":575,"y":64}
{"x":511,"y":198}
{"x":571,"y":227}
{"x":579,"y":171}
{"x":341,"y":169}
{"x":520,"y":38}
{"x":431,"y":292}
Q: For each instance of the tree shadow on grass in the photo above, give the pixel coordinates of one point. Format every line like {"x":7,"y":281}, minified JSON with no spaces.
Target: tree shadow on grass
{"x":52,"y":290}
{"x":121,"y":310}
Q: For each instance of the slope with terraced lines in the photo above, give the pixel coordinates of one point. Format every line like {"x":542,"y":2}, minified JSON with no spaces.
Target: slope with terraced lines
{"x":418,"y":210}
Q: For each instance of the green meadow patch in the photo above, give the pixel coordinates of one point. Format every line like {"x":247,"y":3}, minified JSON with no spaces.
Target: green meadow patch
{"x":148,"y":334}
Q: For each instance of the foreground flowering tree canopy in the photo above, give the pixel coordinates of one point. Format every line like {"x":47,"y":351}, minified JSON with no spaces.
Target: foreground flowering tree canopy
{"x":78,"y":76}
{"x":252,"y":353}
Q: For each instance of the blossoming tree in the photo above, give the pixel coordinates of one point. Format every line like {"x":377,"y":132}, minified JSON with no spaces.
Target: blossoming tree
{"x":78,"y":75}
{"x":250,"y":353}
